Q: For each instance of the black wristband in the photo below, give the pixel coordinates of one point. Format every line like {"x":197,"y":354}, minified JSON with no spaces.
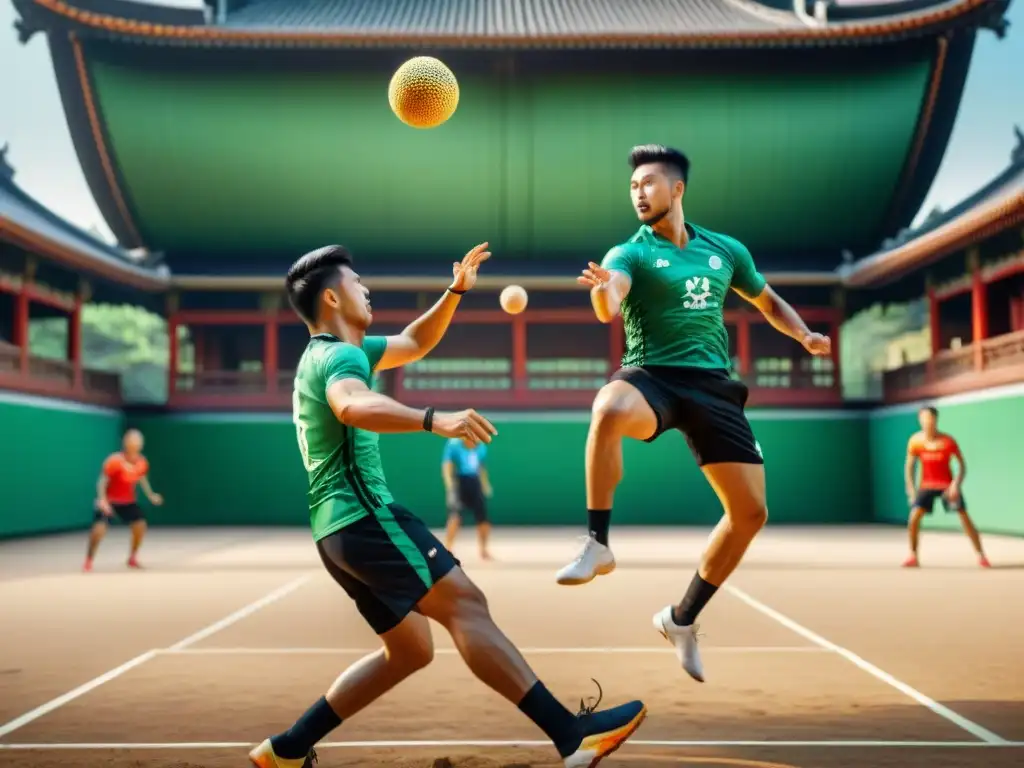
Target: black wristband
{"x":428,"y":419}
{"x":457,"y":293}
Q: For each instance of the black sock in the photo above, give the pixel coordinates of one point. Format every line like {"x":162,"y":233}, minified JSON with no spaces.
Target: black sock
{"x":551,"y":717}
{"x":599,"y":521}
{"x":697,"y":596}
{"x":318,"y":721}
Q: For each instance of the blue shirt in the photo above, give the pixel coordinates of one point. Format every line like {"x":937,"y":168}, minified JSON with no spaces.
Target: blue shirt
{"x":467,"y":461}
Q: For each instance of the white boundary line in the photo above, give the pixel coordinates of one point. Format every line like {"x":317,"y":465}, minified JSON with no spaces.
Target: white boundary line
{"x":273,"y":651}
{"x":106,"y":677}
{"x":196,"y":745}
{"x":941,"y":710}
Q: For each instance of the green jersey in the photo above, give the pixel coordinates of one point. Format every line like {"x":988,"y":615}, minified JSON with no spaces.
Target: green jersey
{"x":673,"y":312}
{"x":346,"y":479}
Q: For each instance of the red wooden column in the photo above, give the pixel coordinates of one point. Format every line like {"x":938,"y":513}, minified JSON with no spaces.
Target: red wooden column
{"x":199,"y":345}
{"x":21,"y":322}
{"x":270,"y":353}
{"x":743,"y":342}
{"x":979,"y":308}
{"x":172,"y":347}
{"x":519,"y":384}
{"x":75,"y":341}
{"x":935,"y":328}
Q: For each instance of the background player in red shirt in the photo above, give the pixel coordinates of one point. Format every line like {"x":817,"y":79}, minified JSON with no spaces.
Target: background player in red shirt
{"x":115,"y":495}
{"x":935,"y":450}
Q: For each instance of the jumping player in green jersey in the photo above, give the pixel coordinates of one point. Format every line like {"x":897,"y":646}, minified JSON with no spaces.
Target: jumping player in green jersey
{"x":386,"y":559}
{"x":670,"y":282}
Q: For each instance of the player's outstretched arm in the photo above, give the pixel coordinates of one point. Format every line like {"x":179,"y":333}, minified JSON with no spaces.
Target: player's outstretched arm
{"x":608,"y":287}
{"x":910,"y":470}
{"x":787,"y":320}
{"x":426,"y":331}
{"x":354,"y":404}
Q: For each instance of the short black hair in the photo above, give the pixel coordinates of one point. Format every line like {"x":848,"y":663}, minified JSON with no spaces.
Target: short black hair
{"x":308,"y":277}
{"x":675,"y":161}
{"x":930,"y":409}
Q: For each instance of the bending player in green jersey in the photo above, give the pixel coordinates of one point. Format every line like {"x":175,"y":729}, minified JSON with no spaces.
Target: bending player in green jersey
{"x":670,"y":281}
{"x":384,"y":557}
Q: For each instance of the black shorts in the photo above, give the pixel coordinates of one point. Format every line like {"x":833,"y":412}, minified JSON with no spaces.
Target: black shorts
{"x":126,"y":513}
{"x":705,"y":405}
{"x":471,"y":497}
{"x":387,"y":563}
{"x":926,"y":499}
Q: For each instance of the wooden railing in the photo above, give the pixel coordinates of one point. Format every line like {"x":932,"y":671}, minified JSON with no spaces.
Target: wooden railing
{"x":994,"y":362}
{"x":566,"y":384}
{"x":56,"y":378}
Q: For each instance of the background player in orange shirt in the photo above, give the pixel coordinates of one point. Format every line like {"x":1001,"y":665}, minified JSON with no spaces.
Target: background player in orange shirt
{"x":115,"y":495}
{"x":935,"y":450}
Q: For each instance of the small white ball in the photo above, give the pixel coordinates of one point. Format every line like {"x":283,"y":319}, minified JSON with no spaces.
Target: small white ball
{"x":513,"y":299}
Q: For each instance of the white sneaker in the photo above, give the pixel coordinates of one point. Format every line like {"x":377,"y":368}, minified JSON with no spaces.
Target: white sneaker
{"x":685,"y":641}
{"x":595,"y":559}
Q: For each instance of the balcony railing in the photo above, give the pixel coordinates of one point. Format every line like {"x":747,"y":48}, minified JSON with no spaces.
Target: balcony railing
{"x":993,"y":362}
{"x":56,"y":378}
{"x":557,"y":384}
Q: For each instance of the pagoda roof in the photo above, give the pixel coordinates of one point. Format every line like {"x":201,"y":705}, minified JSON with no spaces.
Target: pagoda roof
{"x":992,"y":209}
{"x":29,"y":224}
{"x":500,"y":23}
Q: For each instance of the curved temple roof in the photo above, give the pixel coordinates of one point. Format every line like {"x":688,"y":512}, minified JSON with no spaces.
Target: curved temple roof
{"x":29,"y":224}
{"x":994,"y":208}
{"x":495,"y":23}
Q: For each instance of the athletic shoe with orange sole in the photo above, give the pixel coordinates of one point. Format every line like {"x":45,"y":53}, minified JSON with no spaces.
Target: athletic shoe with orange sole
{"x":604,"y":732}
{"x":264,"y":756}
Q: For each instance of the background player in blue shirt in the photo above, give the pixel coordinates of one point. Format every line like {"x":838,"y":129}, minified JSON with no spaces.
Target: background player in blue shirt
{"x":467,"y":487}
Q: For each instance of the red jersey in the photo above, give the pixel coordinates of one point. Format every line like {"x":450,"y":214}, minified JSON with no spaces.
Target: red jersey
{"x":122,"y":477}
{"x":935,"y":456}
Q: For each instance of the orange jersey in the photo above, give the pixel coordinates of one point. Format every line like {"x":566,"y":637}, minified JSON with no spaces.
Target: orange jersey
{"x":122,"y":477}
{"x":935,"y":456}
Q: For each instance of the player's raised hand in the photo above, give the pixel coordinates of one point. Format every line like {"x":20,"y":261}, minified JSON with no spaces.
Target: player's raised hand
{"x":817,"y":344}
{"x":466,"y":425}
{"x":464,"y":272}
{"x":595,"y":276}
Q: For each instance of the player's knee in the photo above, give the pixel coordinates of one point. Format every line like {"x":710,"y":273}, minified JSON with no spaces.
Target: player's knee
{"x":612,"y":411}
{"x":751,"y":516}
{"x":419,"y":655}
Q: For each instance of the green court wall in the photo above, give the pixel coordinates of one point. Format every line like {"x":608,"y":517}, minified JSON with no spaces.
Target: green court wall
{"x":984,"y":424}
{"x":235,"y":469}
{"x":51,"y":453}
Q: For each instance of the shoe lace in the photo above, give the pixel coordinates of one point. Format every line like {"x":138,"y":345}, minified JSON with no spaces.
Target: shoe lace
{"x":311,"y":759}
{"x":588,"y":709}
{"x":588,"y":543}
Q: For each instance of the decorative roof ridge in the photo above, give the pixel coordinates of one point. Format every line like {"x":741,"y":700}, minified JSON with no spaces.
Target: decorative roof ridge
{"x":993,"y":207}
{"x":84,"y":251}
{"x":112,"y":18}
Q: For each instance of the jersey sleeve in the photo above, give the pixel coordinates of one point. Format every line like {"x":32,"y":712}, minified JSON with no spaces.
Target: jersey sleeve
{"x":913,"y":447}
{"x":622,"y":258}
{"x":449,"y":453}
{"x":345,"y":361}
{"x":112,"y":465}
{"x":745,"y":277}
{"x":374,"y":347}
{"x":482,"y":449}
{"x":143,"y":467}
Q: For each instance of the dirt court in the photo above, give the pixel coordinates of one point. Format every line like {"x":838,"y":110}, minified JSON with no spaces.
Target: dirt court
{"x":821,"y":652}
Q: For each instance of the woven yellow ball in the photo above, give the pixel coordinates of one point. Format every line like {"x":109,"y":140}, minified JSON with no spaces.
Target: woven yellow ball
{"x":423,"y":92}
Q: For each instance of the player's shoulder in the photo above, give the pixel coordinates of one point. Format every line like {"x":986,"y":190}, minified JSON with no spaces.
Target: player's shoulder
{"x":727,"y":244}
{"x":915,"y":440}
{"x":114,"y":458}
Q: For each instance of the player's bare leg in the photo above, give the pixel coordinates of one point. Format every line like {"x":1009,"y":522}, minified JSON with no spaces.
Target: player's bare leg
{"x":913,"y":536}
{"x":483,"y":535}
{"x":96,"y":536}
{"x":459,"y":606}
{"x":619,"y":411}
{"x":138,"y":531}
{"x":451,"y":530}
{"x":742,"y":491}
{"x":407,"y":649}
{"x":975,"y":537}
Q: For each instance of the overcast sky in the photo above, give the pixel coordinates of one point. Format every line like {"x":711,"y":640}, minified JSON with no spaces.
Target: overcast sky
{"x":32,"y":121}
